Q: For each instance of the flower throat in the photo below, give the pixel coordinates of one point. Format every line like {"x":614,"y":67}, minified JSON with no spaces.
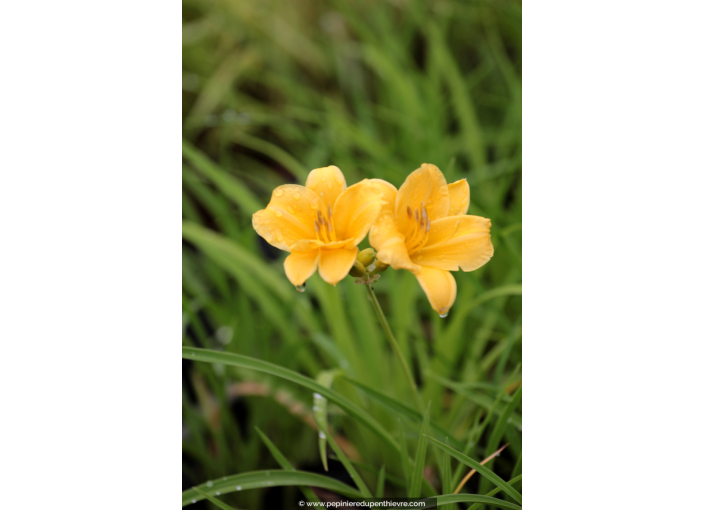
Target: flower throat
{"x":324,"y":229}
{"x":421,"y":226}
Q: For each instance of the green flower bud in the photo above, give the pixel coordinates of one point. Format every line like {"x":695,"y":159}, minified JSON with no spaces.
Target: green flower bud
{"x":358,"y":269}
{"x":366,"y":257}
{"x":380,"y":266}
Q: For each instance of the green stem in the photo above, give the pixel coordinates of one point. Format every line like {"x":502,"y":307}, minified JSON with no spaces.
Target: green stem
{"x":397,"y":349}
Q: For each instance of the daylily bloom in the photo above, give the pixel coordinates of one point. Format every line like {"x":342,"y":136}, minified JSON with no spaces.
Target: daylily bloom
{"x":320,"y":223}
{"x":424,"y":228}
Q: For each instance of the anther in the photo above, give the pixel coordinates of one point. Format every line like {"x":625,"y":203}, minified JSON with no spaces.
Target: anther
{"x":408,"y":210}
{"x":416,"y":212}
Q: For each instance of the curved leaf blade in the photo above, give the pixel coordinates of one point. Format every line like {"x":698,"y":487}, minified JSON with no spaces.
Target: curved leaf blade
{"x":263,"y":479}
{"x":480,"y":469}
{"x":475,"y":498}
{"x":237,"y":360}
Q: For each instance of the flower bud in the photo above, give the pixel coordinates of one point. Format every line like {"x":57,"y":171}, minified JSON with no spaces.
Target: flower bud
{"x":380,"y":266}
{"x":366,"y":257}
{"x":357,"y":269}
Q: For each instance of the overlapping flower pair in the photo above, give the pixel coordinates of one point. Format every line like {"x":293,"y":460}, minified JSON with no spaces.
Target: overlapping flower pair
{"x":422,"y":227}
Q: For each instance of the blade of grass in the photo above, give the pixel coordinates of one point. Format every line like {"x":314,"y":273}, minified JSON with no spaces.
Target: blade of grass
{"x":237,"y":360}
{"x":214,"y":501}
{"x":499,"y":429}
{"x":262,"y":479}
{"x":320,"y":411}
{"x":345,"y":462}
{"x":225,"y":182}
{"x":284,"y":463}
{"x":205,"y":238}
{"x":403,"y":410}
{"x":480,"y":469}
{"x":417,"y":475}
{"x":446,"y":499}
{"x":446,"y":472}
{"x":405,"y":462}
{"x":483,"y":463}
{"x":495,"y":491}
{"x":380,"y":482}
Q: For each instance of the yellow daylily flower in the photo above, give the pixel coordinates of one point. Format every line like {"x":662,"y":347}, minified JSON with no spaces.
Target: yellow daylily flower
{"x":320,"y":223}
{"x":424,"y":228}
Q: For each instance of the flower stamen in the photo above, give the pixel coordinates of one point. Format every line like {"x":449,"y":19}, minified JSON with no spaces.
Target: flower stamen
{"x":324,"y":229}
{"x":421,"y":227}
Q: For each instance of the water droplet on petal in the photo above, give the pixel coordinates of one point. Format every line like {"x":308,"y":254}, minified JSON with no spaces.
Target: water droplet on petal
{"x":209,"y":483}
{"x":278,"y":192}
{"x":290,"y":209}
{"x":297,"y":195}
{"x":279,"y":236}
{"x":239,"y":488}
{"x":278,"y":214}
{"x":301,"y":288}
{"x":329,"y":185}
{"x":314,"y":204}
{"x":443,"y":315}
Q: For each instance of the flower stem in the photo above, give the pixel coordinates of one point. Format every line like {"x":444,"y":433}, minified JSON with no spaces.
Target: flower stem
{"x":394,"y":344}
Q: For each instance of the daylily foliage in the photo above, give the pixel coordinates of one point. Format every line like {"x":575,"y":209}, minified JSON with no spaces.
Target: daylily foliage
{"x":422,"y":227}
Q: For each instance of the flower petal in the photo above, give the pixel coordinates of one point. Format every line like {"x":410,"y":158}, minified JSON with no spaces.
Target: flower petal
{"x":440,"y":287}
{"x":426,"y":186}
{"x":457,"y":242}
{"x":327,"y":183}
{"x":388,"y":192}
{"x":334,"y":265}
{"x":459,"y":197}
{"x":301,"y":265}
{"x":314,"y":244}
{"x":356,"y":209}
{"x":289,"y":217}
{"x":390,"y":244}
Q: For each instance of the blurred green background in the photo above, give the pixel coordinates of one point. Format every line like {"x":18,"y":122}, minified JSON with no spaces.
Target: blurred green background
{"x":273,"y":89}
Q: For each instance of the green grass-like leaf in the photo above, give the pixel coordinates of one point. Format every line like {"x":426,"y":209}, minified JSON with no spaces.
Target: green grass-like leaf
{"x":284,"y":463}
{"x":265,"y":479}
{"x":213,"y":500}
{"x":237,"y":360}
{"x":480,"y":469}
{"x":447,"y":499}
{"x":417,"y":475}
